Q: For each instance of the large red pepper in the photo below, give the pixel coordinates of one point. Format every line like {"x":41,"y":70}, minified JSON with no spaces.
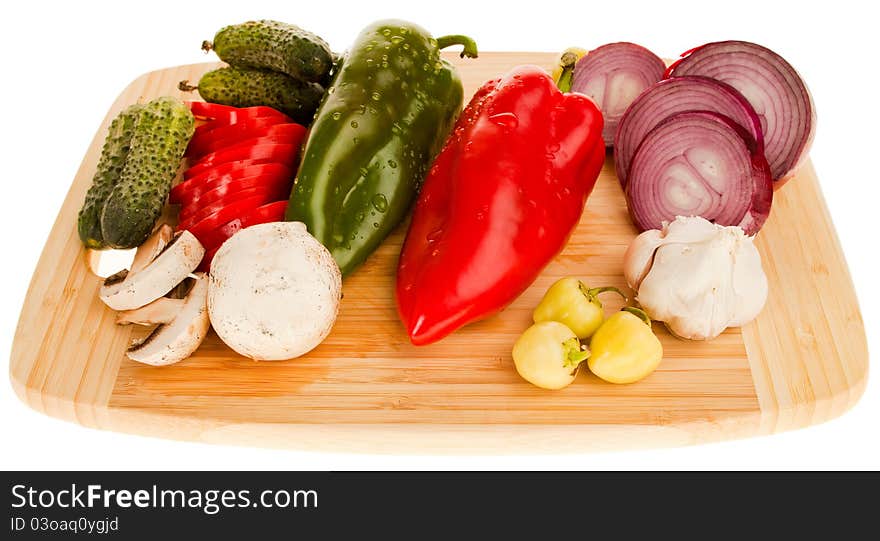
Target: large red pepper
{"x":499,"y":203}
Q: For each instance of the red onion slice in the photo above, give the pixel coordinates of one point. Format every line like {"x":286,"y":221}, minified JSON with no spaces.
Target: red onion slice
{"x":613,"y":75}
{"x":772,"y":86}
{"x":673,"y":96}
{"x":699,"y":163}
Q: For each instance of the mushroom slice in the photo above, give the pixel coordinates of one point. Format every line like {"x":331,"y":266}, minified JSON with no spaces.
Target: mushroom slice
{"x":162,"y":310}
{"x":178,"y":339}
{"x":152,"y":247}
{"x":132,"y":289}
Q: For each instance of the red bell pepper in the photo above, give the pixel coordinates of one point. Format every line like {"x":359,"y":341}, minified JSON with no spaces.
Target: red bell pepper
{"x":259,"y":196}
{"x":225,"y":214}
{"x":229,"y":136}
{"x":284,"y":153}
{"x":499,"y":202}
{"x":190,"y":190}
{"x":227,"y":114}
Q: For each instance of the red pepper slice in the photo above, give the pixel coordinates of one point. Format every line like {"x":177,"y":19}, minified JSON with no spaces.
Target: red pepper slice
{"x":196,"y":215}
{"x":278,"y":187}
{"x":226,"y":114}
{"x":225,"y":214}
{"x":194,"y":188}
{"x":499,"y":203}
{"x":273,"y":212}
{"x":263,"y":153}
{"x":245,"y":133}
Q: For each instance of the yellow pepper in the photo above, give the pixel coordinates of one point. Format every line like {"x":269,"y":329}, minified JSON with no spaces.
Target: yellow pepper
{"x":571,"y":302}
{"x":564,"y":67}
{"x":548,"y":355}
{"x":625,"y":349}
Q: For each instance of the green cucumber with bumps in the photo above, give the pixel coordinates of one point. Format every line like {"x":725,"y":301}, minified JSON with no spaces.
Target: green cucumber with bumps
{"x":164,"y":128}
{"x":110,"y":164}
{"x":247,"y":87}
{"x":275,"y":46}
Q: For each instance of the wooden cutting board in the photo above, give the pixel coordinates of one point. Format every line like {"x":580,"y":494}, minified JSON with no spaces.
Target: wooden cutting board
{"x":803,"y":361}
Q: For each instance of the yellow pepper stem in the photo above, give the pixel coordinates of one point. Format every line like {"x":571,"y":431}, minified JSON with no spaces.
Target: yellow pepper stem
{"x":575,"y":354}
{"x":591,"y":293}
{"x":641,"y":314}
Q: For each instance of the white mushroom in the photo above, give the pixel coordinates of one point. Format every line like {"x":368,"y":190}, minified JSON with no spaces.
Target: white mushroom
{"x":183,"y":324}
{"x":158,"y":266}
{"x":274,"y":291}
{"x":697,"y":277}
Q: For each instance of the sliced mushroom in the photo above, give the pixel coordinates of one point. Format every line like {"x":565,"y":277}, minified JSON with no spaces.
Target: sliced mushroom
{"x":161,"y":310}
{"x":152,"y":247}
{"x":178,"y":338}
{"x":169,"y":266}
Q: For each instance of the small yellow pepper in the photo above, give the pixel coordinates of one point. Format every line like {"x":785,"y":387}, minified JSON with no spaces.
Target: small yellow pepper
{"x":625,"y":349}
{"x":548,"y":355}
{"x":571,"y":302}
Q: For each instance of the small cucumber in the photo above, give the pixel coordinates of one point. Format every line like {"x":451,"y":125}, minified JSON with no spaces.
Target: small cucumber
{"x":246,"y":87}
{"x":160,"y":137}
{"x":110,"y":164}
{"x":276,"y":46}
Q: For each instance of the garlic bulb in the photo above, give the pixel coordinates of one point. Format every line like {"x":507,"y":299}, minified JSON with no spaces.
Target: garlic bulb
{"x":697,"y":277}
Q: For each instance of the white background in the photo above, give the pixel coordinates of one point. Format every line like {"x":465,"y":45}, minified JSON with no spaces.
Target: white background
{"x":64,"y":64}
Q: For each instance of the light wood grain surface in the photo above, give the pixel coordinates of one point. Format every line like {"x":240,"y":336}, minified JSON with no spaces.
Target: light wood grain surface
{"x":803,"y":361}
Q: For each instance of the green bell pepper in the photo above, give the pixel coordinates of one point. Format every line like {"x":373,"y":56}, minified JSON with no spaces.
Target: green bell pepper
{"x":390,"y":106}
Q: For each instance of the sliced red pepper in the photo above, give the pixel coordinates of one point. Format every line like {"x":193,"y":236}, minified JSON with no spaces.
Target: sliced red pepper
{"x":225,"y":214}
{"x":234,"y":132}
{"x":499,"y":202}
{"x":196,"y":215}
{"x":263,"y":153}
{"x":189,"y":190}
{"x":273,"y":212}
{"x":227,"y":114}
{"x":278,"y":188}
{"x":245,"y":133}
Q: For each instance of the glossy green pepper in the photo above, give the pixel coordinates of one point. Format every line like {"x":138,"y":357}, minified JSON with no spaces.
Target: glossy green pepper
{"x":385,"y":116}
{"x":571,"y":302}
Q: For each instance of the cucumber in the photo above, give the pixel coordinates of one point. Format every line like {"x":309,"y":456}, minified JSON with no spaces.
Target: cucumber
{"x":110,"y":164}
{"x":275,"y":46}
{"x":164,"y":128}
{"x":247,"y":87}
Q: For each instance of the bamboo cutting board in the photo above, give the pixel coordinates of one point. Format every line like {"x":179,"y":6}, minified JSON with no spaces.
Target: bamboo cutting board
{"x":803,"y":361}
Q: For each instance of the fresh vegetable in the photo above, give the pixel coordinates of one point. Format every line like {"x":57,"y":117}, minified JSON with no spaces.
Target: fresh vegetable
{"x":499,"y":202}
{"x":160,"y":264}
{"x":113,"y":154}
{"x":248,"y":87}
{"x":274,"y":291}
{"x":625,"y":349}
{"x":225,"y":115}
{"x":182,"y":326}
{"x":699,"y":164}
{"x":284,"y":153}
{"x":187,"y":192}
{"x":244,"y":134}
{"x":242,"y":201}
{"x":573,"y":303}
{"x":548,"y":355}
{"x":679,"y":95}
{"x":278,"y":187}
{"x":275,"y":46}
{"x":614,"y":75}
{"x":391,"y":104}
{"x":774,"y":89}
{"x":725,"y":284}
{"x":160,"y":137}
{"x":564,"y":67}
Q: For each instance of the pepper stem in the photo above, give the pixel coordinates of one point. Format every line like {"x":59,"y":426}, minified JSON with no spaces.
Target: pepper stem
{"x":641,"y":314}
{"x":470,"y":46}
{"x":566,"y":62}
{"x":591,"y":293}
{"x":207,"y":46}
{"x":575,"y":354}
{"x":184,"y":86}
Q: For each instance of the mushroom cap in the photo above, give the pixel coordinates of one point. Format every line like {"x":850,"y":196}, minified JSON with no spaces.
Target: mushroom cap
{"x":273,"y":291}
